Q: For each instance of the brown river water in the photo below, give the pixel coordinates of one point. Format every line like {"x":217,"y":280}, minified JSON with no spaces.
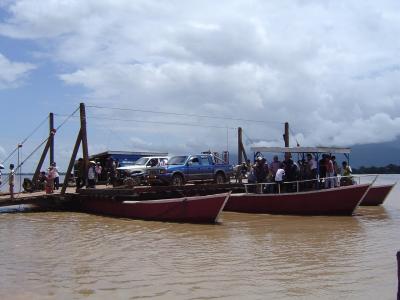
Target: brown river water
{"x":62,"y":255}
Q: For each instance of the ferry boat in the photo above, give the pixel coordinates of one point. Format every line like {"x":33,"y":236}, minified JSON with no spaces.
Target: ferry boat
{"x":335,"y":201}
{"x":196,"y":209}
{"x":302,"y":201}
{"x":377,"y":195}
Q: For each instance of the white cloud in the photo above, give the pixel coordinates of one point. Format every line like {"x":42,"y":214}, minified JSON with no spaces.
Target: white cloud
{"x":330,"y":68}
{"x":12,"y":72}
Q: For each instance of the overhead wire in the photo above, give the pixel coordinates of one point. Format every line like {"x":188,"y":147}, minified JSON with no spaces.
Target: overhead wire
{"x":102,"y":117}
{"x":182,"y":114}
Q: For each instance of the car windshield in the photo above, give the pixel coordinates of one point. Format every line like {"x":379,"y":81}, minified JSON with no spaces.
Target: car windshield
{"x":177,"y":160}
{"x":142,"y":161}
{"x":125,"y":163}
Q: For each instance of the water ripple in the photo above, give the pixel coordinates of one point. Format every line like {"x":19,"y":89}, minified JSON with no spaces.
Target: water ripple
{"x":75,"y":255}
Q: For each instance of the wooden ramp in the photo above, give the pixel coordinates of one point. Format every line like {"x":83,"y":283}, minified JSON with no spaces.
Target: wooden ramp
{"x":36,"y":198}
{"x":107,"y":192}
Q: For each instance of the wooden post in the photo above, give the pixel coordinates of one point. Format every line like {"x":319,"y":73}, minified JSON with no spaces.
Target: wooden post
{"x":51,"y":127}
{"x":85,"y":150}
{"x":241,"y":151}
{"x":42,"y":158}
{"x":71,"y":162}
{"x":244,"y":152}
{"x":286,"y":135}
{"x":398,"y":275}
{"x":240,"y":146}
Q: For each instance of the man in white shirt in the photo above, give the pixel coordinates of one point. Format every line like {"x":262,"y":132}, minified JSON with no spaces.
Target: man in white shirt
{"x":279,"y":177}
{"x":11,"y":181}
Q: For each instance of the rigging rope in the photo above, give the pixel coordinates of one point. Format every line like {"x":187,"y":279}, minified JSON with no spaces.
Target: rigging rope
{"x":297,"y":142}
{"x":40,"y":145}
{"x":66,"y":119}
{"x":251,"y":141}
{"x":24,"y":140}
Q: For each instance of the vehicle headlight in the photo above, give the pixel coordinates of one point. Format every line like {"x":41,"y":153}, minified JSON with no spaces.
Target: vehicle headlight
{"x":163,"y":171}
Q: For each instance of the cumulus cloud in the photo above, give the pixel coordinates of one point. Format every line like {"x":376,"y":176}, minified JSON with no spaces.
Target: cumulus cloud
{"x":330,"y":68}
{"x":12,"y":72}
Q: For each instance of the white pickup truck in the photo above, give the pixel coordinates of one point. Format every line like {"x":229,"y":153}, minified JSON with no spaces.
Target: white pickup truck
{"x":135,"y":174}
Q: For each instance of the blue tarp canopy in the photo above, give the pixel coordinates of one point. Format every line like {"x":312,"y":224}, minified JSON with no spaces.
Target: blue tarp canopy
{"x":124,"y":155}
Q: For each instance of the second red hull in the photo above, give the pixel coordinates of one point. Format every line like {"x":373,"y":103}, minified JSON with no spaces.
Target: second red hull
{"x":377,"y":195}
{"x":201,"y":209}
{"x":337,"y":201}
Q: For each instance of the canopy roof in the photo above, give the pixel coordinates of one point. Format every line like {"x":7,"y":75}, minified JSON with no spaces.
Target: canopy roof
{"x":301,"y":149}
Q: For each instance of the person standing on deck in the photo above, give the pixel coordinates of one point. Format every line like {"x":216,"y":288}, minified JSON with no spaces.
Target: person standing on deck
{"x":56,"y":176}
{"x":346,"y":178}
{"x":290,"y":171}
{"x":322,"y":168}
{"x":274,"y":166}
{"x":11,"y":181}
{"x":279,"y":178}
{"x":91,"y":175}
{"x":50,"y":180}
{"x":336,"y":171}
{"x":261,"y":170}
{"x":98,"y":170}
{"x":79,"y":174}
{"x":329,"y":182}
{"x":312,"y":170}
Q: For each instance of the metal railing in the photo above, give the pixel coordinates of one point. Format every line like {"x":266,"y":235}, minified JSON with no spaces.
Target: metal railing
{"x":307,"y":184}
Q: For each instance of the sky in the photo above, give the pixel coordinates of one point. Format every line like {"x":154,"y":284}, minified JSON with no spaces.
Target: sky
{"x":330,"y":68}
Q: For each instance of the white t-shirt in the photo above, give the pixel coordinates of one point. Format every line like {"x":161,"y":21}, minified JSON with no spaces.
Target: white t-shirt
{"x":55,"y":172}
{"x":91,"y":173}
{"x":98,"y":169}
{"x":11,"y":177}
{"x":279,"y":174}
{"x":312,"y":163}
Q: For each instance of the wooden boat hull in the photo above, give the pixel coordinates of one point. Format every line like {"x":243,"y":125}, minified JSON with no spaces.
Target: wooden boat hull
{"x":337,"y":201}
{"x":376,"y":195}
{"x":199,"y":209}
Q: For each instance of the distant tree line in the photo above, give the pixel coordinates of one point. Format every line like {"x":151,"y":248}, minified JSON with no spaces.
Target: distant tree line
{"x":389,"y":169}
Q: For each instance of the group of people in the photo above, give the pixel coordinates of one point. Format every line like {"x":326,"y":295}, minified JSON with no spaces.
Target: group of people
{"x":93,"y":175}
{"x":306,"y":169}
{"x":50,"y":180}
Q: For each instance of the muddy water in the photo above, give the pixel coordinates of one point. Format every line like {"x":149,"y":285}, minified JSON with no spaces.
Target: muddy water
{"x":80,"y":256}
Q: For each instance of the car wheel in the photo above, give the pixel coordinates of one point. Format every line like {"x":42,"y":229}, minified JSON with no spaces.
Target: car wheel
{"x":177,"y":180}
{"x":219,"y":178}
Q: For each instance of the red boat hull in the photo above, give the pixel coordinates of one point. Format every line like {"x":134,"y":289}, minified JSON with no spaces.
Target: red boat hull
{"x":337,"y":201}
{"x":199,"y":209}
{"x":377,"y":195}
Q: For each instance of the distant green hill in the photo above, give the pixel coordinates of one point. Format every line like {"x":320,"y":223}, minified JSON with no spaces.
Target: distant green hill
{"x":389,"y":169}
